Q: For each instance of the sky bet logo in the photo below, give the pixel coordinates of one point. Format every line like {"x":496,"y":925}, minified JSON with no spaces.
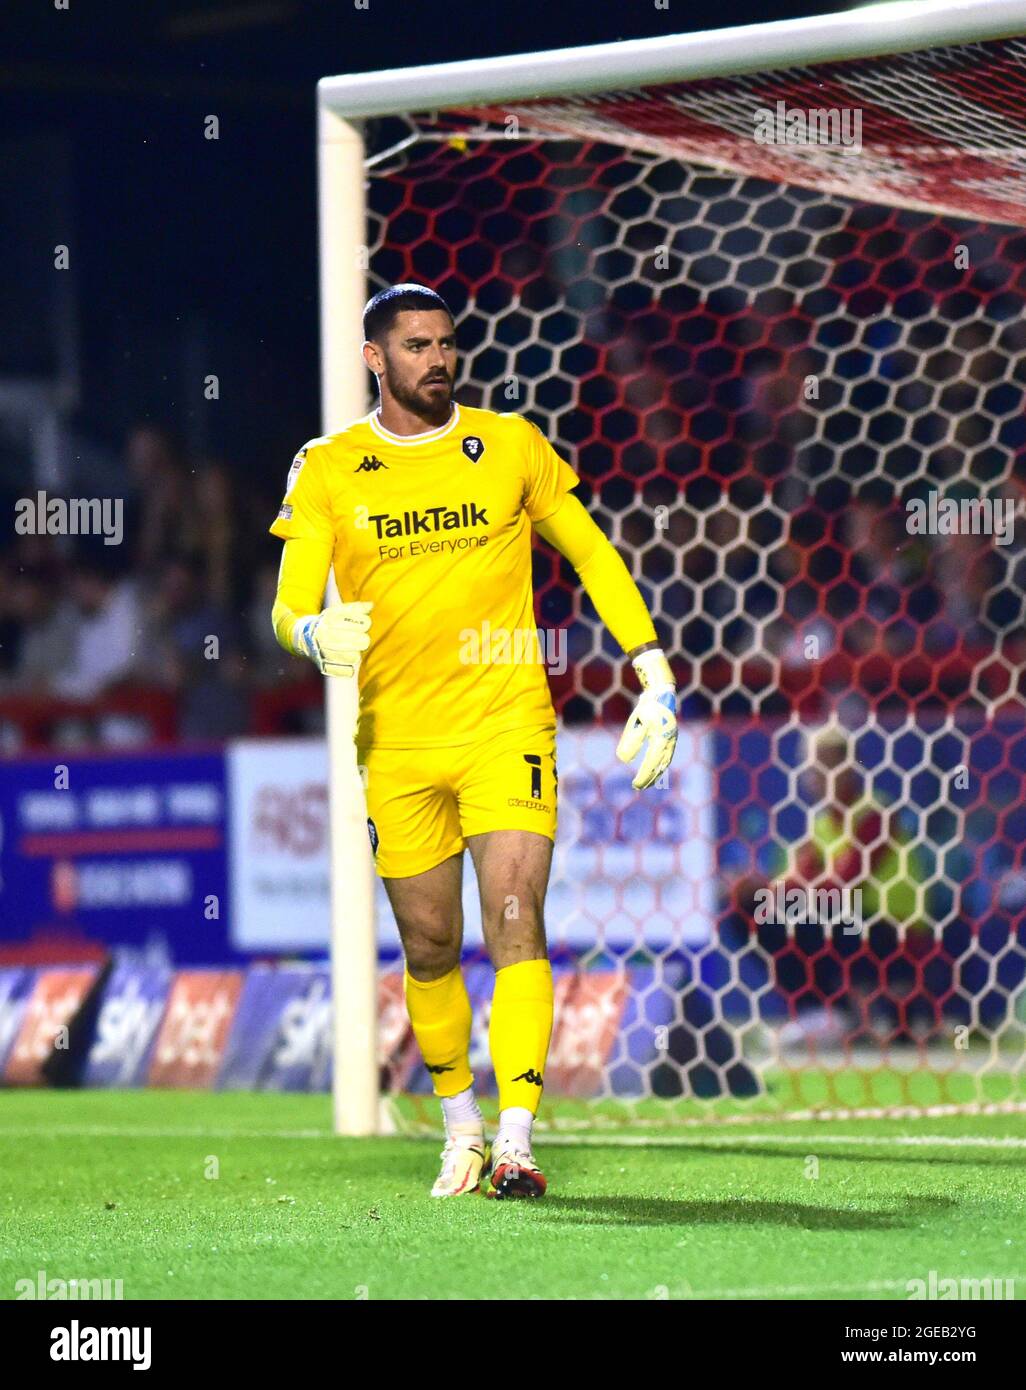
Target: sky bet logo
{"x":425,"y":522}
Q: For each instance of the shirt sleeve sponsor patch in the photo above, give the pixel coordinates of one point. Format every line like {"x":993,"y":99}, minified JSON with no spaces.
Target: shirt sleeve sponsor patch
{"x":297,"y":464}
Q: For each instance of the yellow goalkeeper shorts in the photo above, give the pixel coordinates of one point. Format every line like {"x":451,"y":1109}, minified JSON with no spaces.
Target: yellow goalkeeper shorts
{"x":422,"y":803}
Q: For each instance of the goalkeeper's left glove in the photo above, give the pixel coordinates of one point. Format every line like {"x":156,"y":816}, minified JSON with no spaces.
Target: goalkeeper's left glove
{"x":654,"y":721}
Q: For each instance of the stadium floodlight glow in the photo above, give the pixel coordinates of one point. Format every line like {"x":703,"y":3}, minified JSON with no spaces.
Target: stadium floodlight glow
{"x":571,"y":86}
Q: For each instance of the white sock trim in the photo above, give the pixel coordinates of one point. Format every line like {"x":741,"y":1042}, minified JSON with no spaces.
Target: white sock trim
{"x":515,"y":1125}
{"x":462,"y":1109}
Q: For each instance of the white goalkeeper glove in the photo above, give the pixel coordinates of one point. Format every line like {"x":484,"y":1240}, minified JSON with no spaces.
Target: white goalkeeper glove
{"x":654,"y":721}
{"x":334,"y":639}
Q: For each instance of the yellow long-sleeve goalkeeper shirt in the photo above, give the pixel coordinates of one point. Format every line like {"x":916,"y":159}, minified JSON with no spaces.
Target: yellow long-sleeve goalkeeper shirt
{"x":435,"y":530}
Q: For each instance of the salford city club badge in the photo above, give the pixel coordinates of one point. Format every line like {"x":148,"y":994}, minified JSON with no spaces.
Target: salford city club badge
{"x":472,"y":447}
{"x":372,"y":831}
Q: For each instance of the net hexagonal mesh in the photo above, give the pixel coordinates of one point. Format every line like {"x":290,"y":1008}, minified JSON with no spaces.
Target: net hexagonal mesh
{"x":800,"y":419}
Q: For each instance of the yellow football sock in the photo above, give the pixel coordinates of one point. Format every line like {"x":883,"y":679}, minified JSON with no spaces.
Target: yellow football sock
{"x":440,"y":1013}
{"x":519,"y":1032}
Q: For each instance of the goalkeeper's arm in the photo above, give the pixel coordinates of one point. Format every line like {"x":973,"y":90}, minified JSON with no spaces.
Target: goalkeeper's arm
{"x":620,"y":606}
{"x":332,"y":640}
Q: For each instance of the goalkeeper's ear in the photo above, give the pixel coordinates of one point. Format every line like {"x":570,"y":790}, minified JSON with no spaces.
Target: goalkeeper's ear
{"x":373,"y":358}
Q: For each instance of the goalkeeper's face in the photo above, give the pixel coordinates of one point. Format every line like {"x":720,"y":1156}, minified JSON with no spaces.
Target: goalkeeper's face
{"x":417,"y":362}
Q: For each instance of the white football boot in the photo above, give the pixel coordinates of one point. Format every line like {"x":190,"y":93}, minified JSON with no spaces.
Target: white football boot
{"x":463,"y":1160}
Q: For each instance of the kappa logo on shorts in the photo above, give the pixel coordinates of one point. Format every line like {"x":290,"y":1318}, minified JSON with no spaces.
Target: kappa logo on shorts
{"x":372,"y":831}
{"x":473,"y":447}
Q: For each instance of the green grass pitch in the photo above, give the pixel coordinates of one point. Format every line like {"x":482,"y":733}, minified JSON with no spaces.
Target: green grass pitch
{"x":213,"y":1196}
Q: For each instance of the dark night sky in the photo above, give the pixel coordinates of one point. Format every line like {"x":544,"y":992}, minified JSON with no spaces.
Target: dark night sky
{"x":181,"y":245}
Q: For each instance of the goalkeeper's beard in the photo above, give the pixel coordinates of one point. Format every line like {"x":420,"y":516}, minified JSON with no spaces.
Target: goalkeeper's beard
{"x":433,"y":407}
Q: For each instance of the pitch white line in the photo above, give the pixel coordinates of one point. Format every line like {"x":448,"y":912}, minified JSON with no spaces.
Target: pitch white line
{"x":589,"y":1131}
{"x":726,"y":1141}
{"x":143,"y":1132}
{"x":644,"y":1141}
{"x":891,"y":1112}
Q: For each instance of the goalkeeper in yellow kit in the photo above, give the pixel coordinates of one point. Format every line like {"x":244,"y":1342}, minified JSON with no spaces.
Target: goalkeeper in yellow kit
{"x":425,"y":509}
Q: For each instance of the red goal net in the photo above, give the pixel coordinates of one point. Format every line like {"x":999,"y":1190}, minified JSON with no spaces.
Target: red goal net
{"x":778,"y":324}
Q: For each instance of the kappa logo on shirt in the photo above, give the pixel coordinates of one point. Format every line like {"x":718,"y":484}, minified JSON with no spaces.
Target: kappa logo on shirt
{"x":370,"y":464}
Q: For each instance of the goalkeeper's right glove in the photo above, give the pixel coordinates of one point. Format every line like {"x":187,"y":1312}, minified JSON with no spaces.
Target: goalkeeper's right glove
{"x":334,"y":639}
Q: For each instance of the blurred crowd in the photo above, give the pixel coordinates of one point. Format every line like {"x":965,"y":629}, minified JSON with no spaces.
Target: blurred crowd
{"x":181,"y":606}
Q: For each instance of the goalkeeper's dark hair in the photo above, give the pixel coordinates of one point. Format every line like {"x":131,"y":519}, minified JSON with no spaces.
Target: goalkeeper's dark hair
{"x":380,"y":312}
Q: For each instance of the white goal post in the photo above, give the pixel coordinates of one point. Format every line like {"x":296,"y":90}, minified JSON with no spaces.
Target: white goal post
{"x":344,"y":104}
